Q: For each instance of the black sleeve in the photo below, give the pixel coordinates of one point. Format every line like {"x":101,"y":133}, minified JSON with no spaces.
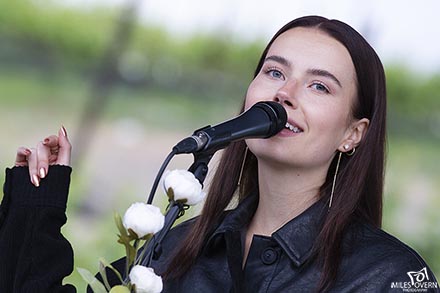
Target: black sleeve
{"x":34,"y":255}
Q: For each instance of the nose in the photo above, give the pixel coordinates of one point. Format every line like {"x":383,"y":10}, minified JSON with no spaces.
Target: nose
{"x":286,"y":95}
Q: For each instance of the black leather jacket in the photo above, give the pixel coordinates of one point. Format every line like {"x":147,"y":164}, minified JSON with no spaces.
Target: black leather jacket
{"x":35,"y":257}
{"x":372,"y":260}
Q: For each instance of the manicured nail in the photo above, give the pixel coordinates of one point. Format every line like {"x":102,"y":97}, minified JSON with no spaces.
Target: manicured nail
{"x":35,"y":180}
{"x":42,"y":173}
{"x":63,"y":130}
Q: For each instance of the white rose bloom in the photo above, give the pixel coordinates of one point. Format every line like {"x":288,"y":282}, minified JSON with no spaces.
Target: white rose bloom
{"x":185,"y":186}
{"x":143,"y":219}
{"x":145,"y":279}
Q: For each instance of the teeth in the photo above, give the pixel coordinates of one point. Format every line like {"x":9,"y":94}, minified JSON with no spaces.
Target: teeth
{"x":293,"y":128}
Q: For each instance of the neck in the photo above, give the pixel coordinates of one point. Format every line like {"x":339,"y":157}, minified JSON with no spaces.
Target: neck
{"x":284,"y":194}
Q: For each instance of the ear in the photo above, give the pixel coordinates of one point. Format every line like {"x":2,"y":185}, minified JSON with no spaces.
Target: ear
{"x":354,"y":135}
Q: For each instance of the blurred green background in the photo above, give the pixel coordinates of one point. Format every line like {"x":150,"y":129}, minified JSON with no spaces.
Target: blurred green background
{"x":127,"y":92}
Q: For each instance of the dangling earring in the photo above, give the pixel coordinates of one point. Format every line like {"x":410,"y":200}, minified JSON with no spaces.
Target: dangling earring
{"x":351,"y":153}
{"x":242,"y":166}
{"x":334,"y":180}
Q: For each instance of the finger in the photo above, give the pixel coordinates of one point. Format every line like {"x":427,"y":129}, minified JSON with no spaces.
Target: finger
{"x":64,"y":152}
{"x":51,"y":141}
{"x":43,"y":153}
{"x":53,"y":159}
{"x":21,"y":158}
{"x":32,"y":163}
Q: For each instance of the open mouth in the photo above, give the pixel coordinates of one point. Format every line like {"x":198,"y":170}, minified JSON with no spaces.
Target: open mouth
{"x":293,"y":128}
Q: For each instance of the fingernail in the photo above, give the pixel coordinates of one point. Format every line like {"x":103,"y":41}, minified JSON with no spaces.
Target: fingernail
{"x":42,"y":173}
{"x":63,"y":130}
{"x":46,"y":140}
{"x":35,"y":180}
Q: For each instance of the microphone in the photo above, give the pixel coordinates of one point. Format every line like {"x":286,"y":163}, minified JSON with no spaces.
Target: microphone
{"x":262,"y":120}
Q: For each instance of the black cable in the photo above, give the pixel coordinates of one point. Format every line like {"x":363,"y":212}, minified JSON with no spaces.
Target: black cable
{"x":151,"y":197}
{"x":159,"y":175}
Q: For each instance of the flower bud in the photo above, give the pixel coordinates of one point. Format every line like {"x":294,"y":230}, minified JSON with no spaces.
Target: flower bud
{"x":183,"y":186}
{"x":145,"y":280}
{"x":143,"y":219}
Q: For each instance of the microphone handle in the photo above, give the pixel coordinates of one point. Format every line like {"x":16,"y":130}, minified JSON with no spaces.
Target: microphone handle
{"x":262,"y":120}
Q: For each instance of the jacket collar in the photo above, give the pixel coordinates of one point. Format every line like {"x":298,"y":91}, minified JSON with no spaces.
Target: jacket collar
{"x":296,"y":237}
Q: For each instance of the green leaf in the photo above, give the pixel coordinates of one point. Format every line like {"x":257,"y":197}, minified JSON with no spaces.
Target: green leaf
{"x":131,"y":254}
{"x":170,"y":194}
{"x":132,"y":234}
{"x":119,"y":289}
{"x":183,"y":200}
{"x":94,"y":283}
{"x":106,"y":264}
{"x":121,"y":228}
{"x":104,"y":275}
{"x":147,"y":238}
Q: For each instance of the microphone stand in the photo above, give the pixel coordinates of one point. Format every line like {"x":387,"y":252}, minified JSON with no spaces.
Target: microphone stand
{"x":200,"y":166}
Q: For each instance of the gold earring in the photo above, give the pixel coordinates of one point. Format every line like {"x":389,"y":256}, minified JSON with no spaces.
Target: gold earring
{"x":242,"y":166}
{"x":334,"y":180}
{"x":351,"y":153}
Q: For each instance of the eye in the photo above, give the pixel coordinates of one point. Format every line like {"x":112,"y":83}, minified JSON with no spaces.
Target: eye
{"x":320,"y":87}
{"x":274,"y":73}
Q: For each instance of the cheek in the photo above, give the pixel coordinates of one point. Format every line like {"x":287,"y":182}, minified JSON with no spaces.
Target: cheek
{"x":328,"y":120}
{"x":330,"y":124}
{"x":256,"y":93}
{"x":250,"y":96}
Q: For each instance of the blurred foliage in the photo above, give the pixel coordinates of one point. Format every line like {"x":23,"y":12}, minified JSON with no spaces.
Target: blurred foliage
{"x":52,"y":34}
{"x":49,"y":54}
{"x":56,"y":37}
{"x":413,"y":103}
{"x":51,"y":37}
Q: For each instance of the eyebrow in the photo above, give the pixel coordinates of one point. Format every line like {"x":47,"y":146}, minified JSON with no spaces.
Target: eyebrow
{"x":317,"y":72}
{"x":324,"y":73}
{"x":279,"y":59}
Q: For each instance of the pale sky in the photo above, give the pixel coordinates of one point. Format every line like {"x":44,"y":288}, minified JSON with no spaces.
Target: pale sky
{"x":399,"y":30}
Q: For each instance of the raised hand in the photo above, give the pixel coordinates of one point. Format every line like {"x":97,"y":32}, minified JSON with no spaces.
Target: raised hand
{"x":53,"y":150}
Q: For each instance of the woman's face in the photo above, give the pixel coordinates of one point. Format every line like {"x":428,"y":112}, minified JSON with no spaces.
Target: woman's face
{"x":313,"y":77}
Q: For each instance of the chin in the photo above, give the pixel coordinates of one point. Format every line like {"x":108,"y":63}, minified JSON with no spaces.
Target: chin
{"x":270,"y":147}
{"x":270,"y":154}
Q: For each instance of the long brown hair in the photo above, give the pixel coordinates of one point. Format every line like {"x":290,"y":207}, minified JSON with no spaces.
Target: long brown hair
{"x":359,"y":188}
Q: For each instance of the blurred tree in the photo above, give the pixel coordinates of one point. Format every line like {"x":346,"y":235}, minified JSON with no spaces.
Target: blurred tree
{"x":105,"y":77}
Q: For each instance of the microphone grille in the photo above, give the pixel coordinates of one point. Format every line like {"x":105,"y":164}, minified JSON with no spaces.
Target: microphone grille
{"x":277,"y":114}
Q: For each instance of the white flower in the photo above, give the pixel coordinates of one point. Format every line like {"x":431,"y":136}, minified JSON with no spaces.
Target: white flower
{"x":145,"y":280}
{"x":184,"y":185}
{"x":143,"y":219}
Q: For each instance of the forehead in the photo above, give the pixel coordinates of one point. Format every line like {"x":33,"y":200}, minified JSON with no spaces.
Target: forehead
{"x":308,"y":48}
